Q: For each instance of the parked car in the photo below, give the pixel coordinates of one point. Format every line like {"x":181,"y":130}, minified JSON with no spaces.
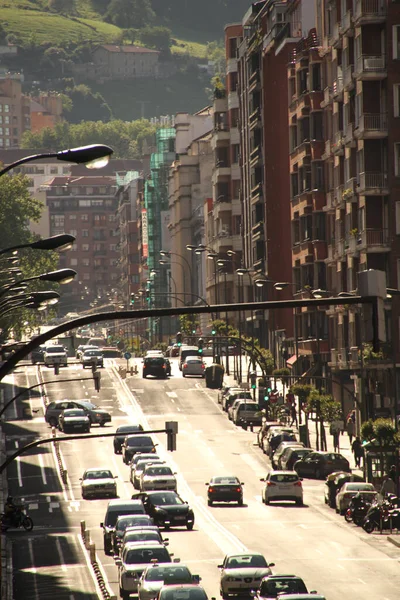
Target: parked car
{"x":96,"y":415}
{"x":290,"y":455}
{"x":55,"y":355}
{"x":37,"y":355}
{"x":224,"y":489}
{"x":157,"y":477}
{"x":349,"y":490}
{"x":134,"y":559}
{"x":275,"y":585}
{"x":274,"y":438}
{"x":92,"y":357}
{"x":98,"y":482}
{"x":241,"y":573}
{"x":167,"y":509}
{"x":158,"y":575}
{"x":282,"y":485}
{"x":247,"y":411}
{"x":193,"y":366}
{"x":275,"y":459}
{"x":332,"y":487}
{"x":122,"y":524}
{"x":320,"y":464}
{"x":136,"y":443}
{"x":73,"y":420}
{"x":263,"y":431}
{"x":229,"y":399}
{"x":122,"y":432}
{"x":116,"y":508}
{"x":156,"y":366}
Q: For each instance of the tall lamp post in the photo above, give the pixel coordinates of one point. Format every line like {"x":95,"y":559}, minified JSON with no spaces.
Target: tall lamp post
{"x":168,"y":254}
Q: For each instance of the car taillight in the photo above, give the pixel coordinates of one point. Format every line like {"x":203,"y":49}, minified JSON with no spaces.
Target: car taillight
{"x":270,"y":483}
{"x":203,"y":366}
{"x":238,"y":489}
{"x":164,"y":366}
{"x":185,"y":366}
{"x":298,"y":483}
{"x":211,"y":489}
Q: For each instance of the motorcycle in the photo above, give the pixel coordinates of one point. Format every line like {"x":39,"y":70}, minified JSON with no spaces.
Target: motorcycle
{"x":357,"y":513}
{"x":381,"y":517}
{"x":16,"y":520}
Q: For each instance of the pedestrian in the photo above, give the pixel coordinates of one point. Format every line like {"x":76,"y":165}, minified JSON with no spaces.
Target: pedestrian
{"x":388,"y":486}
{"x":350,"y":427}
{"x":358,"y":451}
{"x":336,"y":440}
{"x":392,"y":473}
{"x":293,"y":415}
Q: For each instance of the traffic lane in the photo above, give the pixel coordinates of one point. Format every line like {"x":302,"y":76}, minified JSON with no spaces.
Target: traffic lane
{"x":209,"y":449}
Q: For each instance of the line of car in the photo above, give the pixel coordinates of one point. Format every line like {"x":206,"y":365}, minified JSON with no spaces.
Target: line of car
{"x":240,"y":406}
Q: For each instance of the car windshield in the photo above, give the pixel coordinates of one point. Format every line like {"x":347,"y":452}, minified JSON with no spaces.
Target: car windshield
{"x":284,"y":478}
{"x":105,"y":474}
{"x":194,"y":361}
{"x":246,"y":561}
{"x":137,"y":440}
{"x":165,"y":498}
{"x":131,"y":521}
{"x":360,"y":487}
{"x":170,"y":574}
{"x":54,"y":349}
{"x":157,"y":471}
{"x":192,"y":593}
{"x":74,"y":412}
{"x":270,"y":588}
{"x":146,"y":555}
{"x":225,"y":480}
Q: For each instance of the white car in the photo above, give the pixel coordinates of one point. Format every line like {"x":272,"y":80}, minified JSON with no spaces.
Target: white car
{"x":134,"y":559}
{"x":55,"y":355}
{"x":349,"y":490}
{"x":242,"y":573}
{"x":282,"y":485}
{"x":154,"y":577}
{"x":157,"y":477}
{"x":138,"y":468}
{"x":98,"y":482}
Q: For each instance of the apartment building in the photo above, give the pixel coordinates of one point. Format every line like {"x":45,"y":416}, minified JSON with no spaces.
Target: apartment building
{"x":360,"y":48}
{"x":14,"y":110}
{"x":86,"y":208}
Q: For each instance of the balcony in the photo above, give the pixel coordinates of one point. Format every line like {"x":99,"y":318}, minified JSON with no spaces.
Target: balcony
{"x":327,"y":97}
{"x":220,"y":134}
{"x":370,"y":67}
{"x":373,"y":183}
{"x":257,"y":231}
{"x":334,"y":362}
{"x":343,"y":359}
{"x":372,"y":126}
{"x":340,"y":248}
{"x":256,"y":193}
{"x":233,"y":100}
{"x":221,"y":171}
{"x":255,"y":157}
{"x":328,"y":150}
{"x":374,"y":239}
{"x":338,"y":195}
{"x":337,"y":146}
{"x":334,"y":39}
{"x":231,"y":65}
{"x":348,"y":137}
{"x":329,"y":205}
{"x":368,"y":12}
{"x":348,"y":82}
{"x":337,"y":88}
{"x":255,"y":119}
{"x":254,"y":81}
{"x":346,"y":27}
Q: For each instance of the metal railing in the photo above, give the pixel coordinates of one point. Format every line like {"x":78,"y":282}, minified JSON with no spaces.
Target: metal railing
{"x":348,"y":134}
{"x":338,"y":85}
{"x":373,"y":122}
{"x":369,"y":8}
{"x":377,"y":180}
{"x":369,"y":63}
{"x":374,"y":237}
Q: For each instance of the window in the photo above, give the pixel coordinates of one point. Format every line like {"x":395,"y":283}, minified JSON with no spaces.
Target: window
{"x":72,"y":217}
{"x":113,"y":247}
{"x":86,"y":276}
{"x":397,"y":160}
{"x":85,"y":233}
{"x":111,"y":218}
{"x":57,"y":220}
{"x":398,"y":219}
{"x":73,"y":232}
{"x":396,"y":100}
{"x":85,"y":247}
{"x":234,"y":117}
{"x":53,"y":170}
{"x":232,"y":47}
{"x":84,"y":217}
{"x":73,"y":262}
{"x":236,"y":188}
{"x":85,"y":262}
{"x":396,"y":41}
{"x":6,"y":108}
{"x":235,"y":153}
{"x":84,"y":202}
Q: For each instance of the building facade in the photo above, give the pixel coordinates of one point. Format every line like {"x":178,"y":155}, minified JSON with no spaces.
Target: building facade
{"x":14,"y":110}
{"x":110,"y":61}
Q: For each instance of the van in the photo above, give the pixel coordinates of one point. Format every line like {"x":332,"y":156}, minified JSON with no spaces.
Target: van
{"x":97,"y":341}
{"x":185,"y":351}
{"x":115,"y":509}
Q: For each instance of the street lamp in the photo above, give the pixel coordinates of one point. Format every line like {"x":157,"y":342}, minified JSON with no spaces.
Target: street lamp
{"x":60,"y":242}
{"x":59,"y":276}
{"x":94,"y":156}
{"x":169,"y":253}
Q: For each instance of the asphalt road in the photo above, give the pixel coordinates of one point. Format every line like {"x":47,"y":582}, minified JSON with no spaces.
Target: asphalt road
{"x":337,"y":559}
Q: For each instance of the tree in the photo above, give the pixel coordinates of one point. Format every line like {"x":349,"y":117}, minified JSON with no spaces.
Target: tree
{"x":158,"y":38}
{"x":87,"y":105}
{"x":130,"y":13}
{"x":187,"y":323}
{"x":326,"y":409}
{"x":382,"y":435}
{"x":62,"y":6}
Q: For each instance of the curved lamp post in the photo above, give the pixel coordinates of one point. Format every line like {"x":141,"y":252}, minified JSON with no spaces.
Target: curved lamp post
{"x":94,"y":156}
{"x":169,"y":253}
{"x":60,"y":242}
{"x":59,"y":276}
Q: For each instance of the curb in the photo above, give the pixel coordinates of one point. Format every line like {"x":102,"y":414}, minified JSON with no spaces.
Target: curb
{"x":393,"y":540}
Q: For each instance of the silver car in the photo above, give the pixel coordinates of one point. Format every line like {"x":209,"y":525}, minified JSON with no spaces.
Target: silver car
{"x":193,"y":366}
{"x":98,"y":482}
{"x":157,"y":477}
{"x":134,"y":559}
{"x":154,"y":577}
{"x":241,"y":573}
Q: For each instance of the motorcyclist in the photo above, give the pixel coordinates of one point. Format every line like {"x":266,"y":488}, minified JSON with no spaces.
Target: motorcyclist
{"x":357,"y":501}
{"x":10,"y":509}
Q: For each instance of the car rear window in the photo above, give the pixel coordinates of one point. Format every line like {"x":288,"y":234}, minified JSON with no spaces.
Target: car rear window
{"x":192,"y":593}
{"x":284,"y":478}
{"x":248,"y":407}
{"x":54,"y":349}
{"x":112,"y":515}
{"x":143,"y":536}
{"x":139,"y":440}
{"x":146,"y":555}
{"x":155,"y":361}
{"x":170,"y":574}
{"x":226,"y":480}
{"x":362,"y":487}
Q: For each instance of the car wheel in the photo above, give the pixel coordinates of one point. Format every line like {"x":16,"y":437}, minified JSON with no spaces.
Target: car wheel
{"x":240,"y":502}
{"x":299,"y":502}
{"x":144,"y":376}
{"x":124,"y":595}
{"x":190,"y":526}
{"x":107,"y":549}
{"x":210,"y":502}
{"x":183,"y":375}
{"x":266,"y":500}
{"x":102,"y":423}
{"x":84,"y":496}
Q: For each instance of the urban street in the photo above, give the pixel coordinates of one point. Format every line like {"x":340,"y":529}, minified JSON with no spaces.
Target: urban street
{"x":337,"y":559}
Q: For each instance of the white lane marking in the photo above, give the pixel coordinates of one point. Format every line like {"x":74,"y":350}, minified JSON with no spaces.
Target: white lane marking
{"x":33,"y":568}
{"x":172,"y":394}
{"x":361,"y":581}
{"x":18,"y":460}
{"x":258,"y":498}
{"x":91,"y":570}
{"x":42,"y":469}
{"x":14,"y":405}
{"x":172,"y":400}
{"x":61,"y":555}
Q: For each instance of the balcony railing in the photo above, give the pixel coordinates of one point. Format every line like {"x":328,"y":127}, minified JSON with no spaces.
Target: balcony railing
{"x":373,"y":123}
{"x":338,"y":143}
{"x":338,"y":86}
{"x":348,"y":138}
{"x":327,"y":150}
{"x":373,"y":181}
{"x":369,"y":64}
{"x":375,"y":237}
{"x":369,"y":10}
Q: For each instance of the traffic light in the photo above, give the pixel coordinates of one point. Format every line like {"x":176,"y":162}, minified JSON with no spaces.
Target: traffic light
{"x":213,"y":332}
{"x":172,"y":429}
{"x":179,"y":339}
{"x":132,"y":298}
{"x":253,"y":379}
{"x":193,"y":331}
{"x":148,"y":297}
{"x":200,"y":345}
{"x":268,"y":391}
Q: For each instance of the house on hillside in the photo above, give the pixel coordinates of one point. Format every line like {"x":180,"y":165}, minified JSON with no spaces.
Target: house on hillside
{"x":110,"y":61}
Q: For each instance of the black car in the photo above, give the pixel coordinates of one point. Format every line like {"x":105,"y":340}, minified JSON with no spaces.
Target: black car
{"x":273,"y":585}
{"x":320,"y":464}
{"x":122,"y":432}
{"x":167,"y":509}
{"x":156,"y":366}
{"x":136,"y":443}
{"x":225,"y":489}
{"x":37,"y":355}
{"x":115,"y":509}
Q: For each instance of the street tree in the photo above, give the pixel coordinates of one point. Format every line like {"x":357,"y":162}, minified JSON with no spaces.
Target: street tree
{"x":130,"y":13}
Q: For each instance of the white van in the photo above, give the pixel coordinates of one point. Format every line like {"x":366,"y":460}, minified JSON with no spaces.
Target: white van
{"x":185,"y":351}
